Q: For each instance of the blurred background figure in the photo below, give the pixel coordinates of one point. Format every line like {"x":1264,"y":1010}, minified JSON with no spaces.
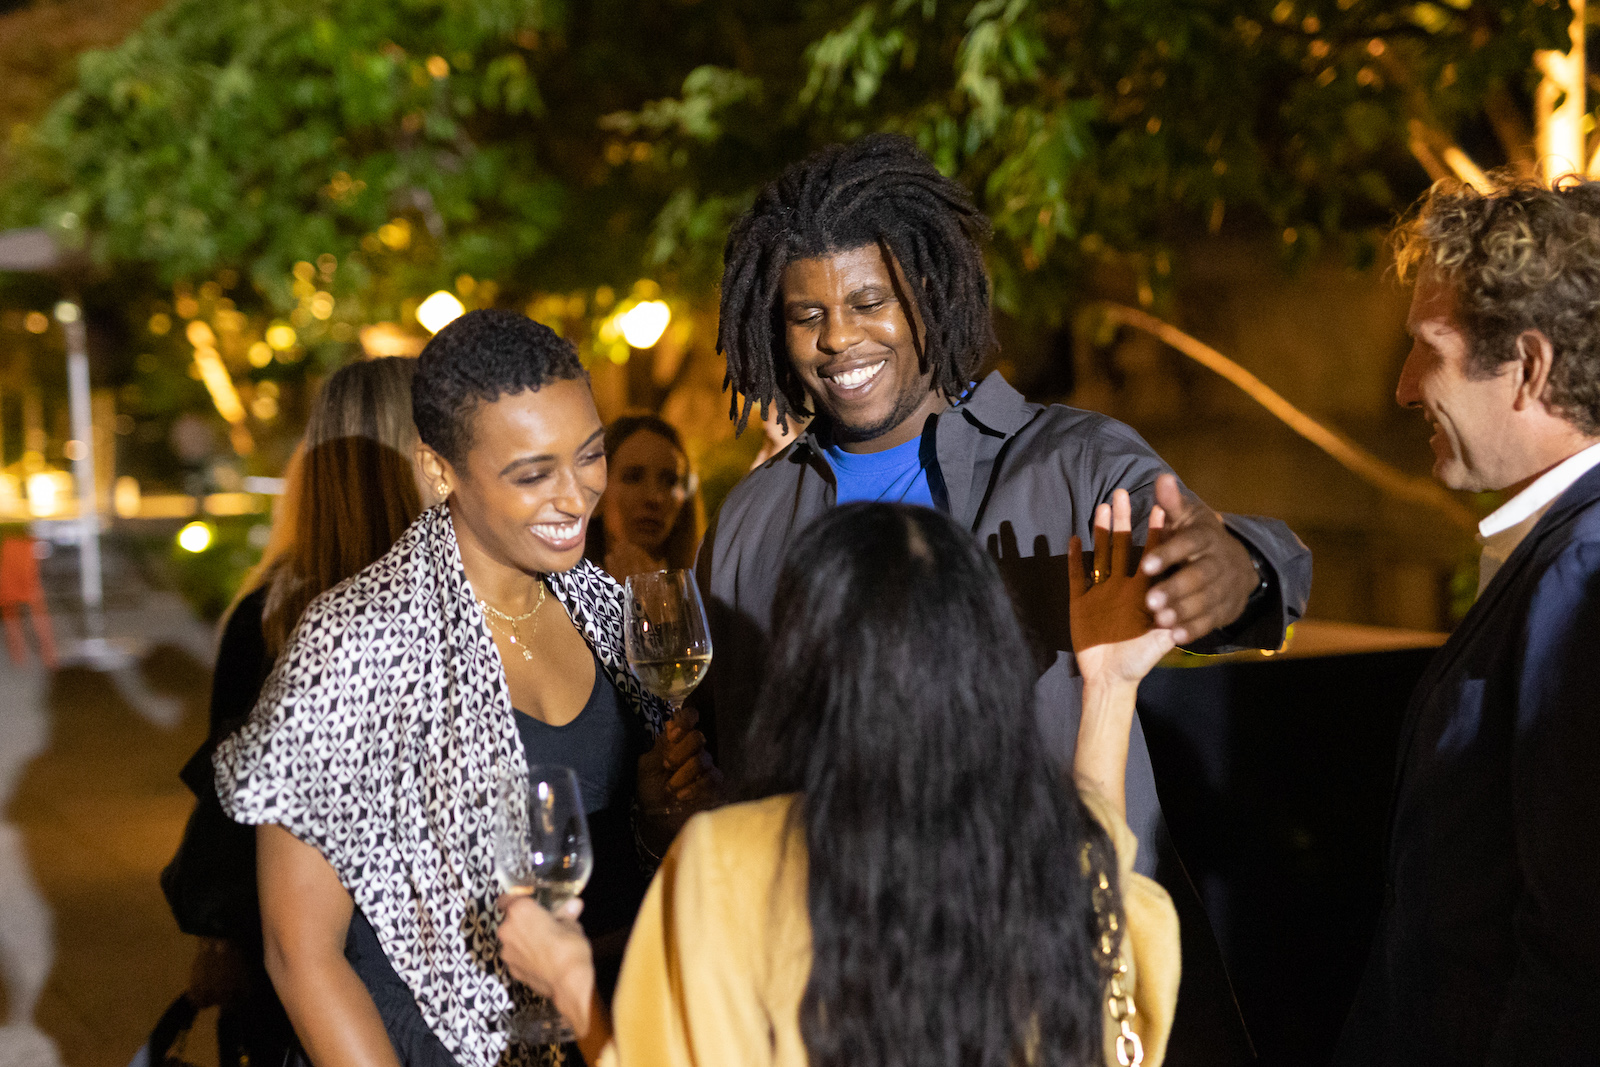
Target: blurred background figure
{"x":779,"y":433}
{"x":352,"y":489}
{"x":20,"y":588}
{"x":650,"y":517}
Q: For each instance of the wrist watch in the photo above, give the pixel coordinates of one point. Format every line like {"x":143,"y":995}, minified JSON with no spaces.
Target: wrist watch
{"x":1263,"y":578}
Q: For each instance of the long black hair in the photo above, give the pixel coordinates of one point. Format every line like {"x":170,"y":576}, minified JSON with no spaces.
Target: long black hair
{"x":951,"y":916}
{"x":880,"y":189}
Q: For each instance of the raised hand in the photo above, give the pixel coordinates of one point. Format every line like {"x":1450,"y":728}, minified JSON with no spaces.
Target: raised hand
{"x":1113,"y":636}
{"x":1208,"y":575}
{"x":1115,"y":643}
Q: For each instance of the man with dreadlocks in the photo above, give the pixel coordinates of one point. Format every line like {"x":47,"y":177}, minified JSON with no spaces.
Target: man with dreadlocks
{"x":854,"y":291}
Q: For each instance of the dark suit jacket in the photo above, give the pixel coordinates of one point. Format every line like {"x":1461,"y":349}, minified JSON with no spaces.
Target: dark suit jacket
{"x":1488,"y":947}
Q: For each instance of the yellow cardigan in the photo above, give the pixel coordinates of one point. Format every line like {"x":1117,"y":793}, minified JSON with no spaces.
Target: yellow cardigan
{"x":721,"y":951}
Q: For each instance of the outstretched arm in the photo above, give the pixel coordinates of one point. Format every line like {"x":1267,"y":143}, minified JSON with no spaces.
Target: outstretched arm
{"x":305,"y":917}
{"x":1202,"y":576}
{"x":1115,"y":643}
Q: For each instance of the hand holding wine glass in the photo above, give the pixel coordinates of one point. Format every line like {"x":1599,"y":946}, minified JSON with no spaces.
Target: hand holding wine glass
{"x":542,"y":851}
{"x":668,"y":642}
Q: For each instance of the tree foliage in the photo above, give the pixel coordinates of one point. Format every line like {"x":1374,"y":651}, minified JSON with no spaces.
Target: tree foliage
{"x":344,"y":157}
{"x":256,"y":135}
{"x":1103,"y":130}
{"x":265,"y":133}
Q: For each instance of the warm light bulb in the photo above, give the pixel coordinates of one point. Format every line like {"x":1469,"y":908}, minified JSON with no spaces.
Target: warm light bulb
{"x":126,"y":497}
{"x":439,"y":311}
{"x":44,"y":494}
{"x":195,"y":537}
{"x":643,"y":324}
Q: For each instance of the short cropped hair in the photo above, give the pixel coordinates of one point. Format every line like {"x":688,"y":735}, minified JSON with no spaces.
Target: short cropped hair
{"x":1522,"y":256}
{"x":475,"y":360}
{"x":880,"y":189}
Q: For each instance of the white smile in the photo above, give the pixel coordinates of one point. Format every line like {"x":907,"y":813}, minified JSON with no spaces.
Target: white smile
{"x":854,"y":379}
{"x":557,"y":533}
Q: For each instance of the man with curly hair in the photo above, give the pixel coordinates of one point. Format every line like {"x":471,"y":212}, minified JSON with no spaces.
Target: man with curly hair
{"x":1488,"y":947}
{"x":854,"y":292}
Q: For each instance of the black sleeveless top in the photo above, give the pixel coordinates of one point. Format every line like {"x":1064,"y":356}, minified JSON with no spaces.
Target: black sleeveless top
{"x":602,"y":745}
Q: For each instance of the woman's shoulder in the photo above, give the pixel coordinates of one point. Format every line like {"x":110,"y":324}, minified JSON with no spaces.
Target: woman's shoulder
{"x":748,"y":819}
{"x":745,"y":834}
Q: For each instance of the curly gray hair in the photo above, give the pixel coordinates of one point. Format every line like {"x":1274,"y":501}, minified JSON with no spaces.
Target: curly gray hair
{"x":1522,"y":256}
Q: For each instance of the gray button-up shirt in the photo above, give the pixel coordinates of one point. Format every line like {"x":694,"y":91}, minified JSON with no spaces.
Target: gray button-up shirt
{"x":1024,"y":478}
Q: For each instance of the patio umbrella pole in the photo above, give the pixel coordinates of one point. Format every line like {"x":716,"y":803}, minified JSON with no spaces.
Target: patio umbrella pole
{"x":95,"y":648}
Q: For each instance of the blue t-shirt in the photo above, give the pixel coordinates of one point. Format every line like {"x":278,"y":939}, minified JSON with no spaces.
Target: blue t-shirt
{"x":895,"y":474}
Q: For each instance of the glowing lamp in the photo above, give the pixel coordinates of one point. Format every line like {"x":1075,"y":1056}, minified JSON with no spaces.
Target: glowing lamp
{"x":644,"y":323}
{"x":195,"y":537}
{"x":439,"y":311}
{"x":126,"y":497}
{"x":44,"y":494}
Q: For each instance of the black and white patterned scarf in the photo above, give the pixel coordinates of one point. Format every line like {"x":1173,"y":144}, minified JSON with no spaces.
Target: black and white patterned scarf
{"x":378,"y":738}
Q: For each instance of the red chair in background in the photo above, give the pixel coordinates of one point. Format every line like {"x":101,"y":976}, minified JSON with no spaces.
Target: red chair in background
{"x":20,"y":587}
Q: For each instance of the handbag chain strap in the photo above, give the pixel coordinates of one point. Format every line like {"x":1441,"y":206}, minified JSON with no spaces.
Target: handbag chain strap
{"x":1119,"y":1001}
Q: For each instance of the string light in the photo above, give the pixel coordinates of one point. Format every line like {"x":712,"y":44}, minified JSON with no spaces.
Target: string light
{"x":644,"y":323}
{"x":195,"y":537}
{"x":439,"y":311}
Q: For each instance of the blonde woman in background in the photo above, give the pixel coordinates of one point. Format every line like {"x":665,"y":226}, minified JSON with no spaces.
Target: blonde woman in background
{"x":350,"y":490}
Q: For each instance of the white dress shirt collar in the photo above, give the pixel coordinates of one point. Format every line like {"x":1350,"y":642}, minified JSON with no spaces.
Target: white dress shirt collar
{"x":1504,"y":529}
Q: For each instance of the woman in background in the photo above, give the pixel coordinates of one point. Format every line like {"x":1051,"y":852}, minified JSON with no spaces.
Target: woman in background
{"x":650,"y":518}
{"x":351,"y":489}
{"x":918,"y":885}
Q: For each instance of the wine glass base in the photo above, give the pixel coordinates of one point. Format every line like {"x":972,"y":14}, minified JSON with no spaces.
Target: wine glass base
{"x":532,"y":1027}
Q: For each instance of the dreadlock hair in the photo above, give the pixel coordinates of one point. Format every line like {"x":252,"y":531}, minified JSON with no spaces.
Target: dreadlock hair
{"x":880,"y":189}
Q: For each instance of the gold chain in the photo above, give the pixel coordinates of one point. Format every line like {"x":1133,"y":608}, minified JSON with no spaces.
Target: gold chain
{"x":1119,"y":1002}
{"x":514,"y":635}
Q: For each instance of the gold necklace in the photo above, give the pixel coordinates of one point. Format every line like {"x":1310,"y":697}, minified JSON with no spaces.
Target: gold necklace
{"x":491,"y":613}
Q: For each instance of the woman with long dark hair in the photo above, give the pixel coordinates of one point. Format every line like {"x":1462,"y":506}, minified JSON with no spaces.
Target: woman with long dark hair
{"x":918,"y":884}
{"x":650,"y":517}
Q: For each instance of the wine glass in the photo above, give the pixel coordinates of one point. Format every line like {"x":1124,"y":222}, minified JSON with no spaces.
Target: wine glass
{"x":665,"y":631}
{"x":542,"y":850}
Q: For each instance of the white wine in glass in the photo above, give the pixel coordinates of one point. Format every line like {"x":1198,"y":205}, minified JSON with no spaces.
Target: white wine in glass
{"x":673,"y":678}
{"x":667,"y":637}
{"x":542,"y":850}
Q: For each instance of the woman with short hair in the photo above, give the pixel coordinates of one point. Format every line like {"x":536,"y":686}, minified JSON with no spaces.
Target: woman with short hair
{"x":480,"y":644}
